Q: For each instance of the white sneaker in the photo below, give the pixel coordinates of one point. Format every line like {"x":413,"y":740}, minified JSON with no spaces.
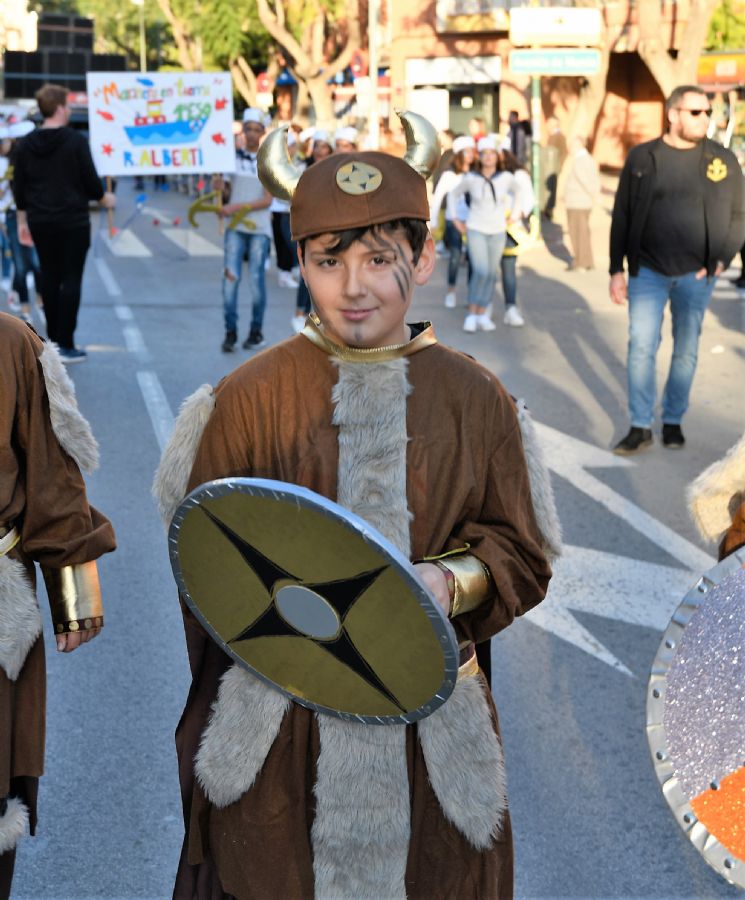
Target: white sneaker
{"x":484,"y":323}
{"x":450,"y":300}
{"x":471,"y":323}
{"x":14,"y":304}
{"x":5,"y":284}
{"x":513,"y":317}
{"x":488,"y":311}
{"x":298,"y":323}
{"x":285,"y":280}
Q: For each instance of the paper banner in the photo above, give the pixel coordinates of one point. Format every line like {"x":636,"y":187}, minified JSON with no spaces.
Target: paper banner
{"x":161,"y":123}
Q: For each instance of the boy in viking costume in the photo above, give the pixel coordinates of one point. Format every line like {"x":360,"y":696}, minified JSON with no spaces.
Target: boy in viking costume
{"x":45,"y":518}
{"x":426,"y":446}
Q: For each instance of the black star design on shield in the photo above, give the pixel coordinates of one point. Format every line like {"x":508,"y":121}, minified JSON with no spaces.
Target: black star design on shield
{"x":341,"y":595}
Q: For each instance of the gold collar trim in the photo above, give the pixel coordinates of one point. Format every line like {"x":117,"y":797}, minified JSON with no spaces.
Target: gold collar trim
{"x":362,"y":355}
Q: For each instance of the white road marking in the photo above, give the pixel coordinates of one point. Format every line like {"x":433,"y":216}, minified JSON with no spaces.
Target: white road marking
{"x":157,"y":405}
{"x":123,"y":313}
{"x":126,"y":244}
{"x":136,"y":343}
{"x":190,"y":242}
{"x":568,"y":457}
{"x":106,"y":275}
{"x":612,"y":586}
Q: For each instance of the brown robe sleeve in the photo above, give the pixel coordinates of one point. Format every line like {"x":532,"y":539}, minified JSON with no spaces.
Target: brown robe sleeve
{"x":504,"y":534}
{"x":58,"y":527}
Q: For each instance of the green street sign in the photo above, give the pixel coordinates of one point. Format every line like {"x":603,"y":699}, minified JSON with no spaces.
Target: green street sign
{"x":555,"y":61}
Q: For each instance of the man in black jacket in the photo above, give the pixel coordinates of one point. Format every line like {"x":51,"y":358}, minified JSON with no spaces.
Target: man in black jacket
{"x":678,"y":219}
{"x":54,"y":179}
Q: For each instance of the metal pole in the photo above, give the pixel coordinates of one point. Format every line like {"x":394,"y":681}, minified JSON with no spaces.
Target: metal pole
{"x":372,"y":45}
{"x":143,"y":60}
{"x":535,"y":115}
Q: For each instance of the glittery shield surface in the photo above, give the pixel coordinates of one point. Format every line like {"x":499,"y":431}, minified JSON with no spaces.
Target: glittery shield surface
{"x":704,"y":717}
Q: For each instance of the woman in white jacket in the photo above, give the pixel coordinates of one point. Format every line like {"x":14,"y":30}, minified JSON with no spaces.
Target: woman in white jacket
{"x":464,"y":153}
{"x":492,"y":194}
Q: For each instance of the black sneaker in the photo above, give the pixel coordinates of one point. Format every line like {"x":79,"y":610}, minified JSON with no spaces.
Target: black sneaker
{"x":672,"y":437}
{"x":72,"y":355}
{"x":254,"y":340}
{"x":229,"y":343}
{"x":637,"y":439}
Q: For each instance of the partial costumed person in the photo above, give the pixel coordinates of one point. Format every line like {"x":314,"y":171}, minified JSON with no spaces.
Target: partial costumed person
{"x":45,"y":518}
{"x":427,"y":447}
{"x":456,"y":211}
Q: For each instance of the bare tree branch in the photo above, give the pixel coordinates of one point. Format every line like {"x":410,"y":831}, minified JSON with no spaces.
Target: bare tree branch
{"x":188,"y":58}
{"x":282,"y":36}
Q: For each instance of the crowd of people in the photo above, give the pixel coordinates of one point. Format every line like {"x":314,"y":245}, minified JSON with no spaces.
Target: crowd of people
{"x":280,"y":800}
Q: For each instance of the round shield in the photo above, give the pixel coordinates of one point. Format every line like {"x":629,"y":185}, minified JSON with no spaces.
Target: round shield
{"x":696,"y":716}
{"x":313,"y":600}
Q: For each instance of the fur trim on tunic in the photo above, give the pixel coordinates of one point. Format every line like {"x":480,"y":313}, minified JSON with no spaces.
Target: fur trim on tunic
{"x":70,"y":427}
{"x":544,"y":505}
{"x":20,"y":619}
{"x":243,"y":725}
{"x":465,"y":763}
{"x":717,"y":492}
{"x":362,"y":823}
{"x":172,"y":476}
{"x":13,"y":825}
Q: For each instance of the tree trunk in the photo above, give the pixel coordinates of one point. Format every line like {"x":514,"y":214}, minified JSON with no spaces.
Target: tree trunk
{"x":244,"y":80}
{"x":320,"y":95}
{"x":308,"y":62}
{"x":591,"y":97}
{"x":666,"y":71}
{"x":188,"y":52}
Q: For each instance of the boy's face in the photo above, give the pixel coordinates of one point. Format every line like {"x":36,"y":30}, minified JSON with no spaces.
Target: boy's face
{"x":362,"y":295}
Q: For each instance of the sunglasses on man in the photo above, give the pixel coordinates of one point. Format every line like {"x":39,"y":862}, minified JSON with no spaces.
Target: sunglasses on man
{"x":694,"y":112}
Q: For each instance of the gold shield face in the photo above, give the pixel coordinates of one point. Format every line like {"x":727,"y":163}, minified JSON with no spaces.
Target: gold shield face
{"x":312,"y":599}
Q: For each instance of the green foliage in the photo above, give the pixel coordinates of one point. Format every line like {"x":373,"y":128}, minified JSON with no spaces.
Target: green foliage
{"x":231,"y":28}
{"x":727,"y":27}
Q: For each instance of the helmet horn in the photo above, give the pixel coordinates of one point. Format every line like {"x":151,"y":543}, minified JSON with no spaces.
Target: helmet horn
{"x":422,"y":143}
{"x":276,"y":170}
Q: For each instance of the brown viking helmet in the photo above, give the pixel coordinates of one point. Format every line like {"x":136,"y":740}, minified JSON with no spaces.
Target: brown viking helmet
{"x":352,"y":190}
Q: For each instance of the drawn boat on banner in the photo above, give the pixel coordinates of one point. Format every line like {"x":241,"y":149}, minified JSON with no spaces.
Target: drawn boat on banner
{"x":154,"y":128}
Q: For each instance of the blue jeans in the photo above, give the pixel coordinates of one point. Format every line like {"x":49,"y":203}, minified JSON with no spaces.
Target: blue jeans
{"x":508,"y":265}
{"x":25,"y":260}
{"x":485,"y":252}
{"x":238,"y":243}
{"x":649,"y":292}
{"x":453,"y":240}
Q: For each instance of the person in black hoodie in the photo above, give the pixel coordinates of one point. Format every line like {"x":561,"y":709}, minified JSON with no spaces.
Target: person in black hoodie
{"x":53,"y":181}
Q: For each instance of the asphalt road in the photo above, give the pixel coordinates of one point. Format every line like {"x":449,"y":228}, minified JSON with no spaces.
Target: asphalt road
{"x":569,"y":679}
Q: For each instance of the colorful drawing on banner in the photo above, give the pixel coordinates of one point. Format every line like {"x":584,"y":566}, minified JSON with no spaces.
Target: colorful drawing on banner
{"x":174,"y":122}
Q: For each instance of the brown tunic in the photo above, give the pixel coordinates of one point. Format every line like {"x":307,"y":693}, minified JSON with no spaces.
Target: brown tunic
{"x":467,"y":484}
{"x":42,"y":494}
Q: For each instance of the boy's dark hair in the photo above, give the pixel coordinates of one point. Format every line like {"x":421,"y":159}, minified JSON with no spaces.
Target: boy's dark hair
{"x":50,"y":97}
{"x":415,"y":230}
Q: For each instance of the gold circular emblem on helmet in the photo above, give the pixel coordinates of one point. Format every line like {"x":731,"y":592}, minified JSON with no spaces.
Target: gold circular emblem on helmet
{"x":359,"y":178}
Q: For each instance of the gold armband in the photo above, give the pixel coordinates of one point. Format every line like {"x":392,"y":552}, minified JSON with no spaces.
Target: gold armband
{"x":74,"y":597}
{"x":473,"y":584}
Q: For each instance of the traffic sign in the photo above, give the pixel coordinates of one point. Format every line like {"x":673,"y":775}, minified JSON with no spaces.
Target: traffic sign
{"x":555,"y":61}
